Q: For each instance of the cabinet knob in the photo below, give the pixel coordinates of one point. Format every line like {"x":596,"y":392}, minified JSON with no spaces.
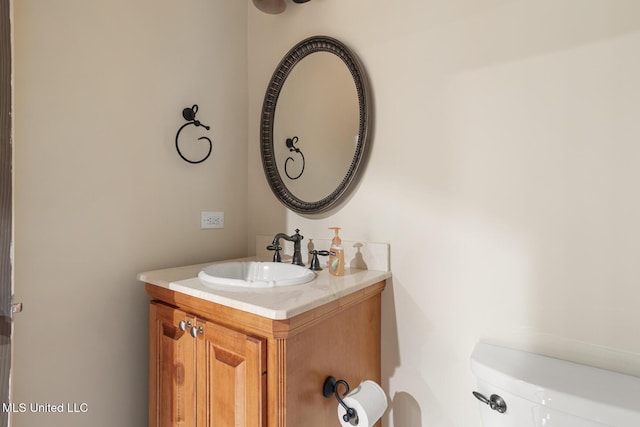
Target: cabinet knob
{"x":195,"y":331}
{"x":184,"y":324}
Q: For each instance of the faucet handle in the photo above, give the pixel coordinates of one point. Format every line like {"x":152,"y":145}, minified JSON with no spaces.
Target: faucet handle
{"x":277,"y":248}
{"x":315,"y":262}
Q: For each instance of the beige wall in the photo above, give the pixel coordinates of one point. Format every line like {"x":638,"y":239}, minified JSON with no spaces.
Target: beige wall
{"x":101,"y":193}
{"x":503,"y":174}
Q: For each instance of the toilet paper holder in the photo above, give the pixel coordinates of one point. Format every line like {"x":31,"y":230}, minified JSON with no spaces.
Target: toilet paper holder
{"x":330,"y":388}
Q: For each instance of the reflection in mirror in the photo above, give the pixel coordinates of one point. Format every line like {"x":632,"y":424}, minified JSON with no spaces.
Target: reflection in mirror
{"x":318,"y":105}
{"x":314,"y":129}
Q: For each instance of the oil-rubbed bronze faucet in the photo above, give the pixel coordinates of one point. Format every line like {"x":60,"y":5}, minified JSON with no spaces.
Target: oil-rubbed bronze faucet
{"x":296,"y":239}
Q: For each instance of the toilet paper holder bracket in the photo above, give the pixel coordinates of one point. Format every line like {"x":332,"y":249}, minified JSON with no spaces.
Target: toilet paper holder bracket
{"x":330,"y":388}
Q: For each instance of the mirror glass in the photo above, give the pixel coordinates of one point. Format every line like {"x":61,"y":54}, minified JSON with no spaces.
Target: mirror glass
{"x":314,"y":130}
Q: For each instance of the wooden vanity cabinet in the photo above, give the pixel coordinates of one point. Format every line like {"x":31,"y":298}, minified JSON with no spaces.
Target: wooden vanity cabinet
{"x":230,"y":368}
{"x":203,"y":374}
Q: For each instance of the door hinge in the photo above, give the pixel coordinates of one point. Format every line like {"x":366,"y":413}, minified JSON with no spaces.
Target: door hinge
{"x":16,"y":308}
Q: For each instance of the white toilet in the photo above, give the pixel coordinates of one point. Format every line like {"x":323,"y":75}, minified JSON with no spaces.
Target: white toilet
{"x":529,"y":390}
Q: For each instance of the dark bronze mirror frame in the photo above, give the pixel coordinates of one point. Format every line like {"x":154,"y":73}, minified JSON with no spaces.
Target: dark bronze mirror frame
{"x":295,"y":55}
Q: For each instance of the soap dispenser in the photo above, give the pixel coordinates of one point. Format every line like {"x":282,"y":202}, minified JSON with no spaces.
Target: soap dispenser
{"x":336,"y":254}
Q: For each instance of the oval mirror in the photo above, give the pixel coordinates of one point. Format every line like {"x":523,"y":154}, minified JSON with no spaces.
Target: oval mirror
{"x":314,"y":133}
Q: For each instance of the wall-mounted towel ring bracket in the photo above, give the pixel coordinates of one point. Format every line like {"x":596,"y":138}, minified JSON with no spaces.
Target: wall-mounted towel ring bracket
{"x":189,"y":115}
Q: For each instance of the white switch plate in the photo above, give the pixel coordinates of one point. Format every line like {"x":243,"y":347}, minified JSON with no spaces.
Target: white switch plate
{"x":211,"y":219}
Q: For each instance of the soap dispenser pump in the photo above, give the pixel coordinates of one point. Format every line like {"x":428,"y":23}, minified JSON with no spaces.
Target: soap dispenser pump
{"x":336,"y":254}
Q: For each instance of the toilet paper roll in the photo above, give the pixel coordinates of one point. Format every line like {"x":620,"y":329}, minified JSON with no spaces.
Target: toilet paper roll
{"x":369,"y":400}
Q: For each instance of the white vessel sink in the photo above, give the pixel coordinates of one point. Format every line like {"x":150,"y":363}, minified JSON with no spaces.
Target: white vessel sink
{"x":255,"y":274}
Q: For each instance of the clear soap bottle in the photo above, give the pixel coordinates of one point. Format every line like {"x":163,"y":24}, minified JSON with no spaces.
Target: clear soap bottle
{"x":336,"y":254}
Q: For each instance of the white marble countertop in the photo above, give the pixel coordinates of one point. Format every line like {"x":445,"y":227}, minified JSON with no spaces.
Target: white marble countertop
{"x":274,"y":303}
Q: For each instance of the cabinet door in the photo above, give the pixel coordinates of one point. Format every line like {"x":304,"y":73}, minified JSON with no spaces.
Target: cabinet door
{"x":231,"y":378}
{"x":172,"y":373}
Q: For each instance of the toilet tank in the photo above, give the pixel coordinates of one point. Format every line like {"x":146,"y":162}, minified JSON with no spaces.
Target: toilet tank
{"x":542,"y":391}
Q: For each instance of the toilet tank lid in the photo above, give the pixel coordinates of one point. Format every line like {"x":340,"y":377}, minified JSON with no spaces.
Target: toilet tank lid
{"x":597,"y":394}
